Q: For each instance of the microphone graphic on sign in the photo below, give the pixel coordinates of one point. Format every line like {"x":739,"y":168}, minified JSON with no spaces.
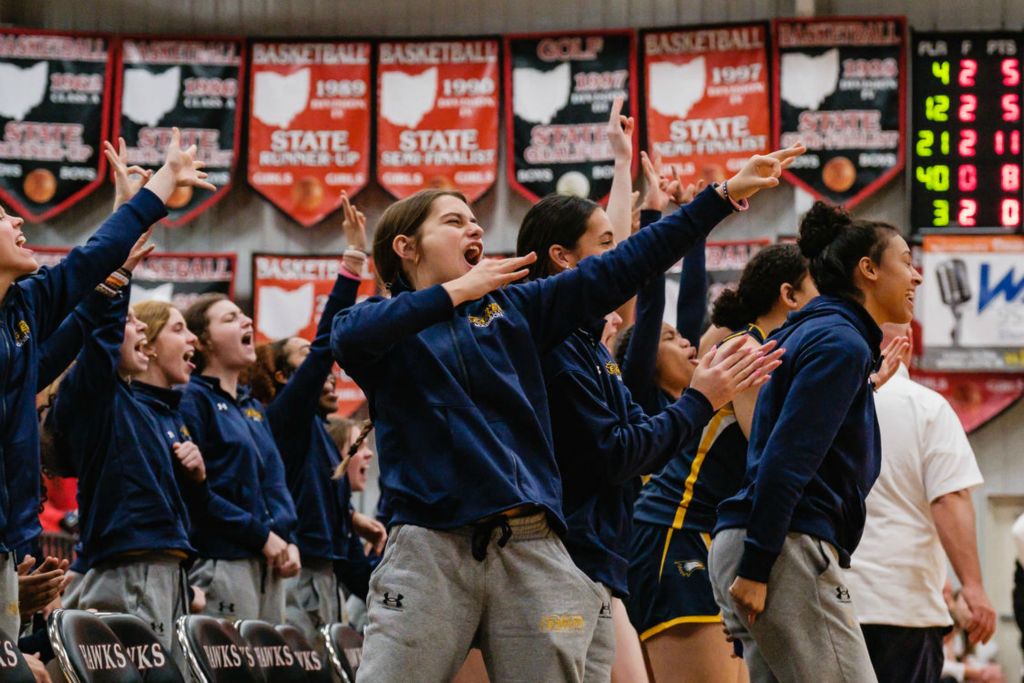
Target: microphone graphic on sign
{"x":955,"y":290}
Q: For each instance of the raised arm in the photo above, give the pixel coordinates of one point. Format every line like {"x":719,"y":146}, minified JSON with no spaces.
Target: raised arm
{"x":54,"y":292}
{"x":557,"y":305}
{"x":641,"y":354}
{"x":620,"y":199}
{"x":296,"y":402}
{"x":692,"y":304}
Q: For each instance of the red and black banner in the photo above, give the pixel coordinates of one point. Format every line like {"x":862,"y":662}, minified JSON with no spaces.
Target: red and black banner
{"x":437,"y":123}
{"x":309,"y":125}
{"x":559,"y":89}
{"x":840,"y":91}
{"x":54,"y":113}
{"x":175,"y":277}
{"x":706,"y":98}
{"x":193,"y":85}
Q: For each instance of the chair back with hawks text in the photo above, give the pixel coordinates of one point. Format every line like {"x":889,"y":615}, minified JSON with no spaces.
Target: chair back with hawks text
{"x":87,"y":650}
{"x":277,"y":660}
{"x":13,"y":666}
{"x":312,"y":661}
{"x":142,"y":646}
{"x":344,"y":648}
{"x":215,"y":651}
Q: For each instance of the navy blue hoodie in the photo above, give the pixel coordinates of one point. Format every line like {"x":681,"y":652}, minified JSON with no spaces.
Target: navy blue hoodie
{"x":604,"y":443}
{"x":814,"y":447}
{"x":30,"y":312}
{"x":458,"y":394}
{"x":128,"y":494}
{"x":243,"y":467}
{"x":310,"y":456}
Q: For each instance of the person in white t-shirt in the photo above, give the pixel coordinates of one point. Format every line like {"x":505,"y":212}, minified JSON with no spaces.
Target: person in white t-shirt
{"x":919,"y":507}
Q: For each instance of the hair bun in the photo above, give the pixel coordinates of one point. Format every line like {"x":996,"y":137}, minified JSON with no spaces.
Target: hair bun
{"x":820,"y":227}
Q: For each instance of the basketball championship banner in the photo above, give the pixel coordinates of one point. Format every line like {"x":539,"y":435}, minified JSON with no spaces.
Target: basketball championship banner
{"x":706,"y":98}
{"x":437,"y":123}
{"x":559,"y":90}
{"x":971,"y":304}
{"x":841,"y":91}
{"x":54,"y":113}
{"x":309,"y":125}
{"x":289,"y":293}
{"x":193,"y":85}
{"x":724,"y":262}
{"x":175,"y":277}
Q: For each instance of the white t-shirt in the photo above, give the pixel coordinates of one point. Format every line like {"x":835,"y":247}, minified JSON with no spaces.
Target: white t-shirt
{"x":899,"y":568}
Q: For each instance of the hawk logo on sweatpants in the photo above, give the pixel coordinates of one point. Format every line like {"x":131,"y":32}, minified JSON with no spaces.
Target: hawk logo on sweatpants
{"x":688,"y":567}
{"x":842,"y":594}
{"x":392,"y":600}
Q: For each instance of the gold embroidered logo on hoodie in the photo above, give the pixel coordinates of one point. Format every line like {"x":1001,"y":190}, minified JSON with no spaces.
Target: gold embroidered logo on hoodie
{"x":492,"y":311}
{"x":21,"y":334}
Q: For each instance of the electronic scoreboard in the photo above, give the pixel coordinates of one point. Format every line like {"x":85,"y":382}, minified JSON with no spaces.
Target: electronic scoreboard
{"x":965,"y":146}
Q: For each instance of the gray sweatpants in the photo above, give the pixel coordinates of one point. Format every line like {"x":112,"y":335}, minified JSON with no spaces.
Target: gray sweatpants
{"x":526,"y":606}
{"x":601,"y":653}
{"x":240,"y":589}
{"x":808,"y":630}
{"x":313,"y":599}
{"x":149,"y":587}
{"x":10,"y":616}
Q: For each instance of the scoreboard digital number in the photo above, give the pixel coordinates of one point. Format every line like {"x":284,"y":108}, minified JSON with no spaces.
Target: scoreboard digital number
{"x":966,"y":101}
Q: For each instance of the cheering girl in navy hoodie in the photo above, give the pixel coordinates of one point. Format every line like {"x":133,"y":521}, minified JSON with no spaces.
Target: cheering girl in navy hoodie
{"x":451,"y":367}
{"x":245,"y":552}
{"x":670,"y":597}
{"x":291,"y":377}
{"x":603,"y":440}
{"x":780,"y":543}
{"x":30,"y":310}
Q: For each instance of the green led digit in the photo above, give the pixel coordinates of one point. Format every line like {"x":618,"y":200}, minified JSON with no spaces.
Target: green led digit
{"x":936,"y":108}
{"x":925,"y":139}
{"x":941,"y":71}
{"x":934,"y":178}
{"x":941,"y":216}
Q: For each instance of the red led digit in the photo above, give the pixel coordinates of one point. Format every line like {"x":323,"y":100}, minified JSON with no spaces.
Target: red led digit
{"x":999,"y":142}
{"x":1011,"y":107}
{"x":967,"y":178}
{"x":968,"y":67}
{"x":968,"y":209}
{"x":968,"y":139}
{"x":1009,"y":213}
{"x":1011,"y":71}
{"x":1009,"y":177}
{"x":968,"y":105}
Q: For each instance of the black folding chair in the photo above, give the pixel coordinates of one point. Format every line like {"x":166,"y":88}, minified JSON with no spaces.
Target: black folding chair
{"x":215,"y":651}
{"x":277,"y":660}
{"x":87,"y":650}
{"x":311,"y":660}
{"x":344,"y":649}
{"x":13,"y":666}
{"x":142,"y":646}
